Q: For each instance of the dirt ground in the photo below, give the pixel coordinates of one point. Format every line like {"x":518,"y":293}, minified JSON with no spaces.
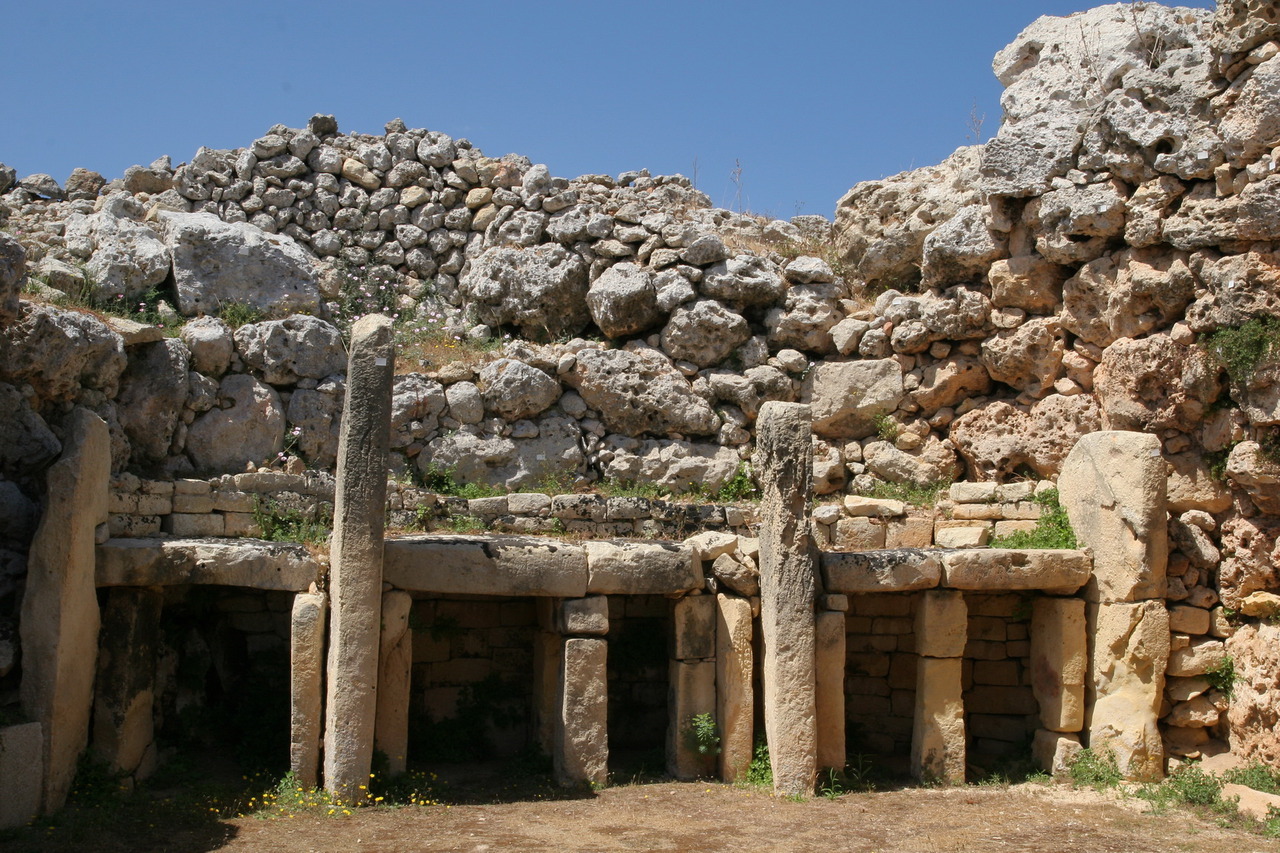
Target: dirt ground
{"x":697,"y":817}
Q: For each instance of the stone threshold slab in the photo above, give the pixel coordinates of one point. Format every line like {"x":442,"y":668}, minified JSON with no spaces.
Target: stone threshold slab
{"x":979,"y":569}
{"x":250,"y":563}
{"x":485,"y":565}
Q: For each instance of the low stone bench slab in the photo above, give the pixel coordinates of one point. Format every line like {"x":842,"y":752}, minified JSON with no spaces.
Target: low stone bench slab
{"x":222,"y":562}
{"x":641,"y":568}
{"x":892,"y":570}
{"x":485,"y":565}
{"x":1000,"y":568}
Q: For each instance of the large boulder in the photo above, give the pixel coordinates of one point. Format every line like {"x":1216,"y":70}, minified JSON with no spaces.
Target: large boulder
{"x":846,"y":398}
{"x":60,"y":352}
{"x":297,"y":347}
{"x":1253,"y":716}
{"x":1237,"y":288}
{"x":934,"y":461}
{"x":998,"y":440}
{"x":962,"y":248}
{"x":1126,"y":295}
{"x":29,"y":444}
{"x":509,"y":463}
{"x":247,"y":430}
{"x":704,"y":332}
{"x":513,"y":390}
{"x":623,"y":301}
{"x":639,"y":391}
{"x":315,"y":422}
{"x":948,"y":381}
{"x":1153,"y":383}
{"x":124,"y":258}
{"x":806,"y":319}
{"x":1074,"y":224}
{"x":744,"y":280}
{"x":678,"y":465}
{"x":153,"y":392}
{"x":13,"y":267}
{"x":541,"y":290}
{"x":217,"y":262}
{"x":1028,"y":358}
{"x":211,"y":343}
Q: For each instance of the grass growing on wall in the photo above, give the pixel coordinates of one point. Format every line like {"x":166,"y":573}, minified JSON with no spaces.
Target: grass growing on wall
{"x":1052,"y":530}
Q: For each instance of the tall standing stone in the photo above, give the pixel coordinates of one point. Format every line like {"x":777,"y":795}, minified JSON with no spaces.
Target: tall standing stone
{"x":306,"y":686}
{"x":391,"y":730}
{"x":735,"y":693}
{"x":59,"y":623}
{"x":938,"y":732}
{"x":356,"y":559}
{"x":123,"y":726}
{"x":788,"y":581}
{"x":830,"y":663}
{"x":581,"y":751}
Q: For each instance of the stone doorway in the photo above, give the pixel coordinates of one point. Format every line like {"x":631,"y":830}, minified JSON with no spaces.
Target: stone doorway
{"x":639,"y":635}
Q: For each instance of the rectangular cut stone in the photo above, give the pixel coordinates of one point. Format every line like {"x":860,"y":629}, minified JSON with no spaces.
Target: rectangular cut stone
{"x":1000,"y":568}
{"x":588,"y":615}
{"x":1196,"y":658}
{"x":1055,"y":752}
{"x":858,"y":534}
{"x":129,"y":526}
{"x":691,"y":690}
{"x":584,"y":507}
{"x":735,"y":692}
{"x":229,"y":500}
{"x":1113,"y":486}
{"x":642,"y":568}
{"x":972,"y":493}
{"x":942,"y":624}
{"x":1059,"y":662}
{"x":1184,"y":619}
{"x":962,"y":537}
{"x":856,"y":505}
{"x":830,"y":665}
{"x":123,"y":727}
{"x":693,"y":623}
{"x":528,"y":503}
{"x":913,"y":531}
{"x":21,"y":773}
{"x":241,"y":524}
{"x":581,"y":753}
{"x":170,"y":562}
{"x":938,"y":734}
{"x":154,"y":505}
{"x":395,"y":660}
{"x":1129,"y":651}
{"x":548,"y":650}
{"x":899,"y":570}
{"x":488,"y":506}
{"x":486,"y":565}
{"x":199,"y":504}
{"x":977,"y":512}
{"x":191,"y":487}
{"x":306,"y":686}
{"x":184,"y":524}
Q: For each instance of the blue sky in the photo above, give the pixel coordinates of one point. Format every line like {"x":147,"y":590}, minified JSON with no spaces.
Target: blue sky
{"x":808,"y":97}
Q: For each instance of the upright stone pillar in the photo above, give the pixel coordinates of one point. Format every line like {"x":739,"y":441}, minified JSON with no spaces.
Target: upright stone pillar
{"x":355,"y":575}
{"x":306,"y":686}
{"x":1113,"y":488}
{"x":938,"y":735}
{"x":548,"y":653}
{"x":581,"y":752}
{"x":123,"y":726}
{"x":391,"y":733}
{"x":735,"y":692}
{"x":830,"y":660}
{"x":691,"y":684}
{"x":59,"y":621}
{"x":788,"y":583}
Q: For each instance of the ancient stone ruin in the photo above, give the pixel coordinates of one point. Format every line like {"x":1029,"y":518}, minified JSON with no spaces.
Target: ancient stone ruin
{"x":604,"y":464}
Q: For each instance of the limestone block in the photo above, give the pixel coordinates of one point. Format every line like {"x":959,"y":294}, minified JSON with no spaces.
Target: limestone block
{"x":1129,"y":651}
{"x":1000,"y":568}
{"x":898,"y":570}
{"x":857,"y":505}
{"x":938,"y":733}
{"x":123,"y":728}
{"x":59,"y":619}
{"x":691,"y":691}
{"x":240,"y":524}
{"x":642,"y":568}
{"x":356,"y":559}
{"x":1113,"y":488}
{"x":913,"y":531}
{"x":735,"y":692}
{"x":1185,"y":619}
{"x":693,"y":622}
{"x":942,"y":624}
{"x":858,"y":534}
{"x":1059,"y":662}
{"x":547,"y":653}
{"x":395,"y":660}
{"x":712,"y":543}
{"x":1197,"y":658}
{"x":788,"y":581}
{"x":581,"y":753}
{"x":306,"y":686}
{"x":1054,"y":752}
{"x":588,"y":615}
{"x":962,"y":537}
{"x":21,"y":773}
{"x":184,"y":524}
{"x":830,"y":664}
{"x":195,"y":504}
{"x":169,"y":562}
{"x":486,"y":565}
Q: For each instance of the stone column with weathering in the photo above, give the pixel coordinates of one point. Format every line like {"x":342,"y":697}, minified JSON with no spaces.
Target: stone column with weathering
{"x":355,"y":576}
{"x":548,"y":654}
{"x":938,"y":735}
{"x":580,"y":752}
{"x":830,"y":664}
{"x":1059,"y":664}
{"x":123,"y":725}
{"x":691,"y":686}
{"x":735,"y":692}
{"x":306,"y":686}
{"x":60,"y":618}
{"x":1113,"y":488}
{"x":395,"y":662}
{"x":788,"y":583}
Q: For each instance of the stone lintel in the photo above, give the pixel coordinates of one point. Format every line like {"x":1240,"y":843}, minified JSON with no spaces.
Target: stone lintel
{"x":486,"y":565}
{"x":248,"y":563}
{"x":892,"y":570}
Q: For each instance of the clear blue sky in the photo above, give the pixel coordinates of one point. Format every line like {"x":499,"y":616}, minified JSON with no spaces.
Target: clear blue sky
{"x":809,"y":97}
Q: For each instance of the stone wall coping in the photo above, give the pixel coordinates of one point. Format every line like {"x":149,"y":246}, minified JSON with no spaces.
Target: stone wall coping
{"x":908,"y":569}
{"x":250,"y":563}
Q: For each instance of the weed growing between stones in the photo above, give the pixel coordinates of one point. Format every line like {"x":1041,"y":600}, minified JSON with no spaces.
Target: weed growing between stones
{"x":910,"y":493}
{"x":760,"y":771}
{"x":1096,"y":769}
{"x":466,"y":524}
{"x":1240,"y":349}
{"x":1052,"y":530}
{"x":1222,"y":677}
{"x":704,"y":734}
{"x":237,"y":314}
{"x":444,"y":481}
{"x":281,"y":524}
{"x":1188,"y":786}
{"x":1255,"y":775}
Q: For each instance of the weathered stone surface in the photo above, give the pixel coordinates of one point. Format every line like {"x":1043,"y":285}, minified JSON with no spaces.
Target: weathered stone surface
{"x":806,"y":318}
{"x":29,"y":444}
{"x":60,"y":352}
{"x":211,"y":343}
{"x":734,"y":686}
{"x":153,"y":391}
{"x":896,"y":570}
{"x":934,"y":461}
{"x":581,"y":753}
{"x":123,"y":727}
{"x":1192,"y":486}
{"x":788,"y":573}
{"x":704,"y":332}
{"x":744,"y":280}
{"x":1126,"y":295}
{"x":225,"y":562}
{"x":677,"y":465}
{"x":962,"y":537}
{"x":640,"y":391}
{"x":997,"y":438}
{"x":124,"y":258}
{"x":216,"y":262}
{"x":847,"y":397}
{"x":314,"y":418}
{"x":513,"y":390}
{"x":950,"y":381}
{"x":13,"y":266}
{"x":741,"y":577}
{"x":1249,"y":564}
{"x":941,"y":624}
{"x":489,"y":565}
{"x":1055,"y":752}
{"x":1136,"y":390}
{"x":961,"y":248}
{"x":1129,"y":648}
{"x":1059,"y":662}
{"x":395,"y":660}
{"x":623,"y":301}
{"x":1253,"y":716}
{"x":1028,"y":358}
{"x":691,"y":690}
{"x":588,"y":615}
{"x":1241,"y":25}
{"x":510,"y":463}
{"x":938,"y":733}
{"x":250,"y":430}
{"x":829,"y":694}
{"x":1249,"y":467}
{"x":306,"y":686}
{"x":21,"y":773}
{"x":1197,"y":658}
{"x":1028,"y":282}
{"x":1113,"y":488}
{"x":1074,"y":224}
{"x":693,"y":628}
{"x":540,"y":290}
{"x":640,"y":568}
{"x":297,"y":347}
{"x":999,"y":568}
{"x":59,"y":620}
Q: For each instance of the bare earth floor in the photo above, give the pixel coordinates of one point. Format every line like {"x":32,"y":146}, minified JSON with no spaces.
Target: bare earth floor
{"x":716,"y":817}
